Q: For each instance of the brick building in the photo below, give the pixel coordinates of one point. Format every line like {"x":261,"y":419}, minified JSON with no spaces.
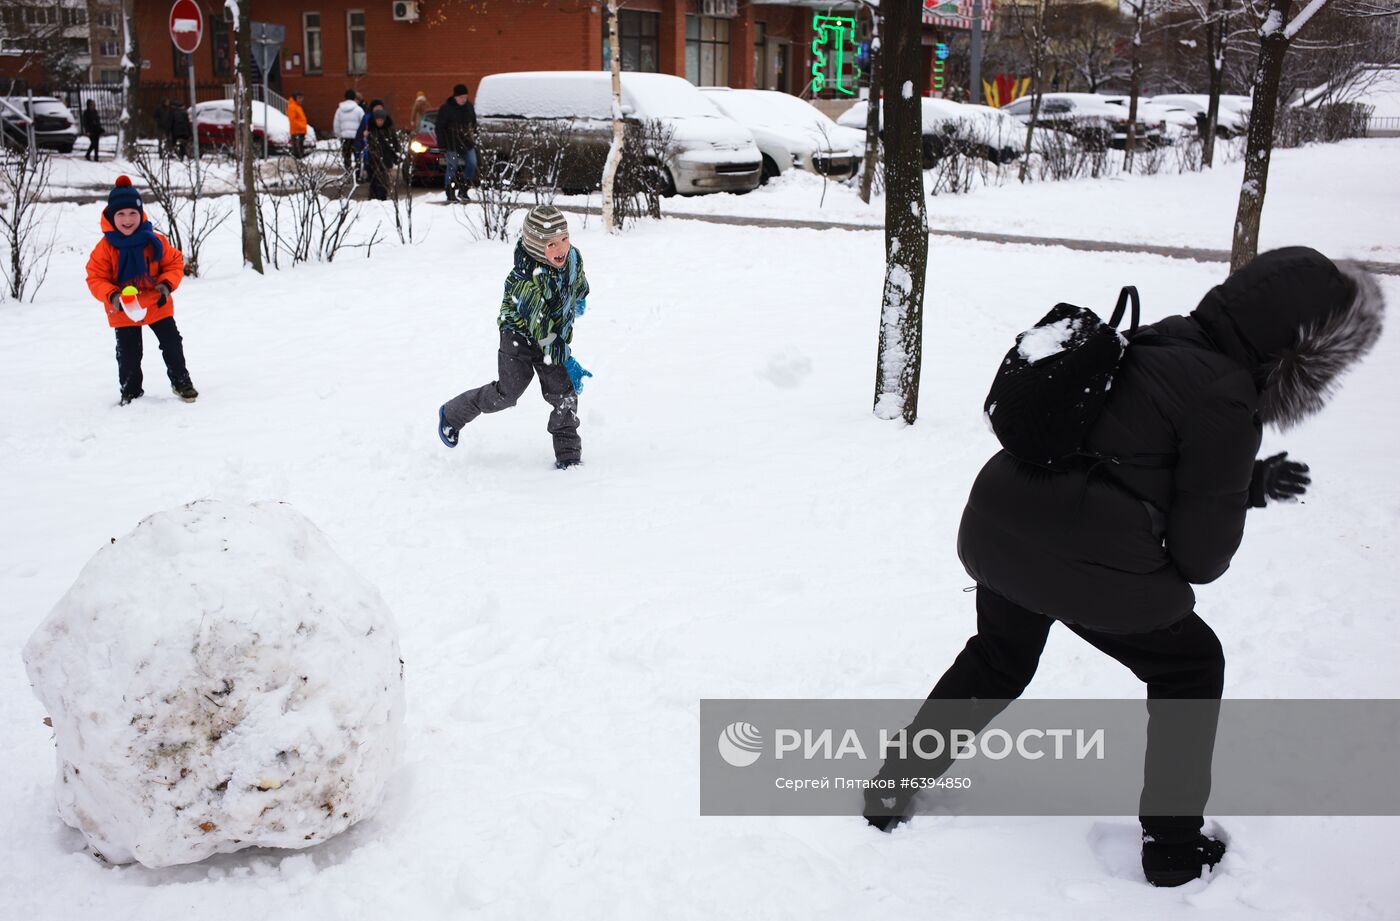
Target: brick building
{"x":391,"y":50}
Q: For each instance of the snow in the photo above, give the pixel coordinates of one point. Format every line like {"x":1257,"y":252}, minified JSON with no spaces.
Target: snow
{"x":218,"y":679}
{"x":1040,"y":342}
{"x":728,"y":536}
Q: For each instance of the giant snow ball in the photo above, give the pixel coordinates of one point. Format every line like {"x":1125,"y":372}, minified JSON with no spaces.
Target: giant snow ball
{"x":218,"y":679}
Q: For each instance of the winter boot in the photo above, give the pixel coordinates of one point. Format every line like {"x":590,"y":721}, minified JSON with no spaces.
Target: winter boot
{"x":128,"y":397}
{"x":566,"y":464}
{"x":446,"y":432}
{"x":185,"y":390}
{"x":887,"y":809}
{"x":1168,"y":864}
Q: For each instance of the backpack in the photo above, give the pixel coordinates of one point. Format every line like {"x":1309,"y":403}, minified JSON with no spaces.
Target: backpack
{"x":1054,"y":381}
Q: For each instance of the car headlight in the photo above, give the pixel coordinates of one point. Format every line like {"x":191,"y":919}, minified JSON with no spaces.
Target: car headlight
{"x":417,"y":146}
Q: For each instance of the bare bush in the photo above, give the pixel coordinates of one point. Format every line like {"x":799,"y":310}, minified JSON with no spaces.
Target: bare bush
{"x":177,"y":188}
{"x":307,"y":212}
{"x":28,"y":241}
{"x":1325,"y":124}
{"x":641,"y":176}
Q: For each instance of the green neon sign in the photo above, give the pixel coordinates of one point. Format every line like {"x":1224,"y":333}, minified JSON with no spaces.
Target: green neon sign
{"x":833,"y":33}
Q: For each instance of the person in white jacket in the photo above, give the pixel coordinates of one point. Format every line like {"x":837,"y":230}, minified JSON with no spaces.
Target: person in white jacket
{"x":346,"y":125}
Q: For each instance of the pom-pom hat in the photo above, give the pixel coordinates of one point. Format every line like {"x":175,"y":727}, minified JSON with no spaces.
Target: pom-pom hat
{"x":542,"y":224}
{"x":123,"y":195}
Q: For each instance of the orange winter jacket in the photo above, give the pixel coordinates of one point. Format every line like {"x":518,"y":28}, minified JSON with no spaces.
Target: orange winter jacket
{"x":297,"y":116}
{"x":102,"y":280}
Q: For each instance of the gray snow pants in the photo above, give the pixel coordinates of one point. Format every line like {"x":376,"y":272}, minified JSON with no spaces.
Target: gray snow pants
{"x":518,"y":361}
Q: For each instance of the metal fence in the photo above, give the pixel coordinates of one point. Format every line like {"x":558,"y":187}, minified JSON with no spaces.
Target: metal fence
{"x":1383,"y":126}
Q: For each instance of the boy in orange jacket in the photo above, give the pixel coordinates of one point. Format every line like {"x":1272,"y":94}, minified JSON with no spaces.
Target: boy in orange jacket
{"x":296,"y":116}
{"x":132,"y":254}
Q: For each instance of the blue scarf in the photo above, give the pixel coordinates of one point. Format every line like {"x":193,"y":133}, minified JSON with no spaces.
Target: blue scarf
{"x":131,"y":253}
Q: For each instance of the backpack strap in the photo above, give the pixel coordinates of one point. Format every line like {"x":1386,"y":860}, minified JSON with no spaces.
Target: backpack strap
{"x":1129,"y":293}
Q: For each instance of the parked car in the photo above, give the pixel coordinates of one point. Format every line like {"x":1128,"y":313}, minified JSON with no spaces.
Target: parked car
{"x":708,"y":152}
{"x":791,"y":133}
{"x":1232,"y":117}
{"x":1087,"y":116}
{"x":991,"y":133}
{"x":214,"y":122}
{"x":55,"y":128}
{"x":1170,"y":122}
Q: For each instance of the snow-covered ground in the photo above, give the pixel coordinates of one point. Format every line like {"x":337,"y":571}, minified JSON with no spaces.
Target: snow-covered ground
{"x":1334,"y":196}
{"x":743,"y":527}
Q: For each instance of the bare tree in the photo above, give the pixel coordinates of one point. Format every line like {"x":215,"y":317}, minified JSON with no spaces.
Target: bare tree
{"x":906,"y":220}
{"x":243,"y":112}
{"x":177,"y":187}
{"x":1031,"y":21}
{"x":131,"y":82}
{"x":28,"y":249}
{"x":1085,"y":36}
{"x":1139,"y":9}
{"x":610,"y":224}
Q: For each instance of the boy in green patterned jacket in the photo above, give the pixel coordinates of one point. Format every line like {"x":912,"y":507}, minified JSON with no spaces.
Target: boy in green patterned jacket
{"x":543,"y":293}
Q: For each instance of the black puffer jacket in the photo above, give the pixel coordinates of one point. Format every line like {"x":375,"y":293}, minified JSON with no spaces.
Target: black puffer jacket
{"x":455,"y":128}
{"x":1116,"y":547}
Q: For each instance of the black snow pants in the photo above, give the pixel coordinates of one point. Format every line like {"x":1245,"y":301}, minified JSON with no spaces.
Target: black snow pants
{"x":518,"y":361}
{"x":1181,"y":662}
{"x":172,"y":349}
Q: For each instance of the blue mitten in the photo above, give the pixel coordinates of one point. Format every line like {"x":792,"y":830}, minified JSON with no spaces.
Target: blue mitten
{"x":577,"y":373}
{"x":579,"y":306}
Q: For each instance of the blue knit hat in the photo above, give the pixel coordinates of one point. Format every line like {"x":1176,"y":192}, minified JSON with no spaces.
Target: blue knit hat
{"x":123,"y":195}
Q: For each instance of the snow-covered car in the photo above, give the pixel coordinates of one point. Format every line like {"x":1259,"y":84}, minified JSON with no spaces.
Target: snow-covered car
{"x":55,"y":128}
{"x":707,"y":152}
{"x":1232,"y":117}
{"x":1171,"y":122}
{"x":214,"y":122}
{"x":991,"y":134}
{"x":791,"y":133}
{"x":1087,"y":116}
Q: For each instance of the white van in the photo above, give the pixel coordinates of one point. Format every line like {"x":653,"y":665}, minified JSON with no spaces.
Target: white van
{"x":709,"y":152}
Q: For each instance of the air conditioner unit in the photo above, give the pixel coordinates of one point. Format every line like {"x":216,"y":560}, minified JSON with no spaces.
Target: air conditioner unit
{"x":405,"y":11}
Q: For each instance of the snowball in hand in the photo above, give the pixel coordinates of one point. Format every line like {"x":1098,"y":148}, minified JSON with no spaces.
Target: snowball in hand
{"x":218,"y":679}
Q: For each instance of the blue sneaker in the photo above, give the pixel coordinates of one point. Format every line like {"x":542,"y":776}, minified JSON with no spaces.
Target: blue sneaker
{"x":446,"y":432}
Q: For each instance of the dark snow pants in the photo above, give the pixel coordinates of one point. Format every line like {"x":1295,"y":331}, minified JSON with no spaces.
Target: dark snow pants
{"x":518,"y":361}
{"x":1181,"y":662}
{"x":172,"y":349}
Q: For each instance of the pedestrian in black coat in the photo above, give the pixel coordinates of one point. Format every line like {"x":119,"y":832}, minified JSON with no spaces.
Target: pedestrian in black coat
{"x":455,"y":132}
{"x":1111,"y":550}
{"x":381,"y":152}
{"x":92,"y":127}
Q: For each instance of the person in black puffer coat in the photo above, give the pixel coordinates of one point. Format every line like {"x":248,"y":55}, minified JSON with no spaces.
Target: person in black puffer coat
{"x":455,"y":131}
{"x":1112,"y":550}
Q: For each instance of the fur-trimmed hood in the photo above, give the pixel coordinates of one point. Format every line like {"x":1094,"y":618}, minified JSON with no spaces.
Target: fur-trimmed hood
{"x":1297,"y":321}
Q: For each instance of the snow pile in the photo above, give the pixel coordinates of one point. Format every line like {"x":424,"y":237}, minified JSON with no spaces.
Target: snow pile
{"x":218,"y":679}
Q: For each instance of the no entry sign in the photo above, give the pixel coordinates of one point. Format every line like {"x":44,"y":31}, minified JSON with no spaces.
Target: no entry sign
{"x":186,"y":25}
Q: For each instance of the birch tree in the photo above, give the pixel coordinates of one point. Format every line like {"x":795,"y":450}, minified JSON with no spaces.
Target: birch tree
{"x":906,"y":220}
{"x":131,"y":81}
{"x":610,"y":224}
{"x":1139,"y":11}
{"x":872,"y":112}
{"x":243,"y":114}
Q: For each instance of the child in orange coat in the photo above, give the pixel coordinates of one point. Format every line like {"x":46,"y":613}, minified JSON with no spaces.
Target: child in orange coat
{"x":132,"y":254}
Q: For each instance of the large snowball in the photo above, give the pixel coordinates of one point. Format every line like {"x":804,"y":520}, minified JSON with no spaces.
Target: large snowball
{"x":218,"y":679}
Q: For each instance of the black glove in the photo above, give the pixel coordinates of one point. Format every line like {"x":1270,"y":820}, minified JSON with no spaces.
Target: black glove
{"x":164,"y":290}
{"x":1277,"y":478}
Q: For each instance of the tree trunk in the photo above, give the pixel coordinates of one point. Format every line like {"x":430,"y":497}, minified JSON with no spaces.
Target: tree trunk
{"x":1034,"y":41}
{"x":906,"y":220}
{"x":872,"y":114}
{"x":615,"y":150}
{"x":131,"y":83}
{"x":1134,"y":85}
{"x":1273,"y":46}
{"x":252,"y":236}
{"x":1215,"y":61}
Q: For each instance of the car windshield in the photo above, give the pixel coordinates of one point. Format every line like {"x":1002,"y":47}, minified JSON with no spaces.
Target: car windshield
{"x":428,"y":121}
{"x":671,"y":98}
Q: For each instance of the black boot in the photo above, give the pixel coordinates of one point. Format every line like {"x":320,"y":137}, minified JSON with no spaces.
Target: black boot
{"x":887,"y":809}
{"x":1175,"y":864}
{"x":134,"y":395}
{"x":185,"y":390}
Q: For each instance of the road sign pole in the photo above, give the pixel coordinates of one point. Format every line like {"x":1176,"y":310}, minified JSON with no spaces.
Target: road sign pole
{"x":194,"y":128}
{"x":976,"y":52}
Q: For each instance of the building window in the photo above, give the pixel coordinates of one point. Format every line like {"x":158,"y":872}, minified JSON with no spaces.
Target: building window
{"x":355,"y":37}
{"x":107,"y":49}
{"x":73,"y":16}
{"x":707,"y":50}
{"x":105,"y":20}
{"x":180,"y":61}
{"x":111,"y":76}
{"x":760,"y":56}
{"x":40,"y":16}
{"x":311,"y":42}
{"x":638,"y":36}
{"x":221,"y":46}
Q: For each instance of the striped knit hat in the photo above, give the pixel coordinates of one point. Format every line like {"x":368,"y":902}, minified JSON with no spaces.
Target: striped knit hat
{"x":542,"y":224}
